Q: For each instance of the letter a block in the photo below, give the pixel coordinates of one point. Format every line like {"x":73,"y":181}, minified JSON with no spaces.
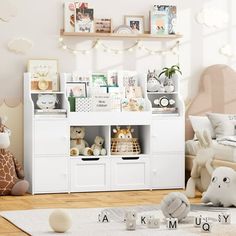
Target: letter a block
{"x":171,"y":223}
{"x":224,"y":218}
{"x":103,"y":217}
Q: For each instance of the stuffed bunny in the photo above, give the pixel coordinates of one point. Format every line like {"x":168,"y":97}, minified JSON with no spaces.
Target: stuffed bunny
{"x":202,"y":169}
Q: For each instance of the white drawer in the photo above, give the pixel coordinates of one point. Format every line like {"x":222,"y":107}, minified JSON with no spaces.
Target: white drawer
{"x":167,"y":171}
{"x":167,"y":135}
{"x":51,"y":137}
{"x":50,"y":175}
{"x":92,"y":174}
{"x":129,"y":174}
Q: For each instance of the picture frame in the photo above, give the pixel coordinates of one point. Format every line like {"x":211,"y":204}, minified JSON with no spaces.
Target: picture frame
{"x":44,"y":74}
{"x":76,"y":89}
{"x":103,"y":25}
{"x":113,"y":78}
{"x":136,"y":23}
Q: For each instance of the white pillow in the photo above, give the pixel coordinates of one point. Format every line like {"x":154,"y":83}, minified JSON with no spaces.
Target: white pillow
{"x":223,"y":124}
{"x":201,"y":123}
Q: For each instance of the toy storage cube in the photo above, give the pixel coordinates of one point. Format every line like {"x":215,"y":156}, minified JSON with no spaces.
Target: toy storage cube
{"x":90,"y":174}
{"x":129,"y":173}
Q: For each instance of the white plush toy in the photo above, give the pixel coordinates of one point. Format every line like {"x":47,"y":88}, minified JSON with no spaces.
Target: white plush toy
{"x":47,"y":101}
{"x":79,"y":146}
{"x":222,"y":189}
{"x":97,"y":147}
{"x":202,"y":169}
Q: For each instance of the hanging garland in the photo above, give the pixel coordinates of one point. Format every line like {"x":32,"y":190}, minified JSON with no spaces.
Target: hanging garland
{"x":97,"y":44}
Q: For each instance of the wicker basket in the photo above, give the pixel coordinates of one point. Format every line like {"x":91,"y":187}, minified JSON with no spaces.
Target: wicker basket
{"x":121,"y":146}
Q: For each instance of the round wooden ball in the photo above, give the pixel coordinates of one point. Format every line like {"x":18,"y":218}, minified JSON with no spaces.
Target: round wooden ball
{"x":60,"y":221}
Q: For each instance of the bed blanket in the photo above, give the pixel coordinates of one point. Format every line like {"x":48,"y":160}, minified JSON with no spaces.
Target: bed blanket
{"x":227,"y":141}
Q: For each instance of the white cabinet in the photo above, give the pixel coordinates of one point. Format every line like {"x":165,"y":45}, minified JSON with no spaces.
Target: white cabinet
{"x":167,"y":135}
{"x":51,"y":137}
{"x":129,"y":173}
{"x":91,"y":174}
{"x":50,"y":175}
{"x":167,"y":171}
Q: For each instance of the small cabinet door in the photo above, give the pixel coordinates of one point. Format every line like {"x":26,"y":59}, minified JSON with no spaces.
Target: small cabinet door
{"x":91,"y":174}
{"x":50,"y":175}
{"x":51,"y":137}
{"x":167,"y":171}
{"x":167,"y":135}
{"x":130,"y":174}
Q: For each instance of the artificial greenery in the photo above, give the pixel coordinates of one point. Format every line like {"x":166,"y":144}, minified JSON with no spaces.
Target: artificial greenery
{"x":170,"y":71}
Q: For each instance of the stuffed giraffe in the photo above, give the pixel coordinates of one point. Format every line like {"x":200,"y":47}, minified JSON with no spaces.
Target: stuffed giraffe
{"x":11,"y":173}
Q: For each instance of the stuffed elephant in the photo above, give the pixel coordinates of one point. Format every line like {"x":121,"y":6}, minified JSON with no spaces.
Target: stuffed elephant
{"x":202,"y":168}
{"x":11,"y":173}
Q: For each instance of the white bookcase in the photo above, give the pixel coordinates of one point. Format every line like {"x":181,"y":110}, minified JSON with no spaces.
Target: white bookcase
{"x":50,"y":168}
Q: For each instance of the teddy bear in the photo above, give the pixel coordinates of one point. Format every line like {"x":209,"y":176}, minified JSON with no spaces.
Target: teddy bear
{"x":11,"y":173}
{"x":78,"y":145}
{"x":97,"y":147}
{"x":202,"y":168}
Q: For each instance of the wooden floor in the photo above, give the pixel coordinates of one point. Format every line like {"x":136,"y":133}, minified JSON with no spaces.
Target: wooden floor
{"x":79,"y":200}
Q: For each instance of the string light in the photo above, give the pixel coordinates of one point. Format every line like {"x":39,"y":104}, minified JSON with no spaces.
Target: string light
{"x":97,"y":44}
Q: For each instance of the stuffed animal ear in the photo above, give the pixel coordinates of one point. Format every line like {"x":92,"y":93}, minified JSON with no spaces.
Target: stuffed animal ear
{"x":201,"y":139}
{"x":207,"y":138}
{"x":114,"y":131}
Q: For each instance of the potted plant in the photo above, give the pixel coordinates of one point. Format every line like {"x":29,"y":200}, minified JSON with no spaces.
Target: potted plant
{"x":169,"y":72}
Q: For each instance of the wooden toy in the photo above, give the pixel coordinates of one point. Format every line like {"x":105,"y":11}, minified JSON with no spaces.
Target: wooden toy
{"x":198,"y":221}
{"x":206,"y":226}
{"x":143,"y":220}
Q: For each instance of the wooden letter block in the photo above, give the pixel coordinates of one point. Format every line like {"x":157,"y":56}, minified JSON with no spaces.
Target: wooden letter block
{"x":153,"y":222}
{"x":130,"y":224}
{"x":130,"y":220}
{"x":206,"y":227}
{"x":224,"y":218}
{"x":171,"y":223}
{"x":143,"y":220}
{"x":103,"y":217}
{"x":198,"y":221}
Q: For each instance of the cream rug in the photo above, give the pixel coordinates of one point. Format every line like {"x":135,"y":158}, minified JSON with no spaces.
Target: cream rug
{"x":35,"y":222}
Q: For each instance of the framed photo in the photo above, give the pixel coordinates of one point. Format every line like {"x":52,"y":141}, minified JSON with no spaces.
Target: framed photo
{"x":103,"y":26}
{"x":136,"y":23}
{"x":76,"y":89}
{"x":44,"y":74}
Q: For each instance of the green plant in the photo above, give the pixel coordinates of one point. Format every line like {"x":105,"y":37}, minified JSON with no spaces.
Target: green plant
{"x":170,"y":71}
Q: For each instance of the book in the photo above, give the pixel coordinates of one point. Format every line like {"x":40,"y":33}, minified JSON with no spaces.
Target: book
{"x":84,"y":18}
{"x":69,"y":16}
{"x":159,"y":20}
{"x":163,"y":19}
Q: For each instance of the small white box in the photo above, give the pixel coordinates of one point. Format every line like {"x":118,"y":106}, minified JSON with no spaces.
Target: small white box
{"x":153,"y":222}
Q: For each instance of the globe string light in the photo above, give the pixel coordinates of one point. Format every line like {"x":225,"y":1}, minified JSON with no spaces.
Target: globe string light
{"x":97,"y":44}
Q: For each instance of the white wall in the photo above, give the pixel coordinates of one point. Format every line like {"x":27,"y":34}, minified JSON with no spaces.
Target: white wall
{"x":42,"y":20}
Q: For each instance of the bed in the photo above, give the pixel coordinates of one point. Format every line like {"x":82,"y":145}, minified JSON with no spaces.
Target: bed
{"x":217,"y":93}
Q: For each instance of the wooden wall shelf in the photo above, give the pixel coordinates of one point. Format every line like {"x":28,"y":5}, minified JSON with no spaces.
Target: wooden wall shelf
{"x":145,"y":36}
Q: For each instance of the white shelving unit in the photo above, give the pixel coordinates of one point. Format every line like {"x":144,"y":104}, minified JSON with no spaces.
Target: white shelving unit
{"x":167,"y":143}
{"x":48,"y":165}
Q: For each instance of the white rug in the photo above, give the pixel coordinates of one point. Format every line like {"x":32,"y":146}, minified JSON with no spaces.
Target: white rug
{"x":35,"y":222}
